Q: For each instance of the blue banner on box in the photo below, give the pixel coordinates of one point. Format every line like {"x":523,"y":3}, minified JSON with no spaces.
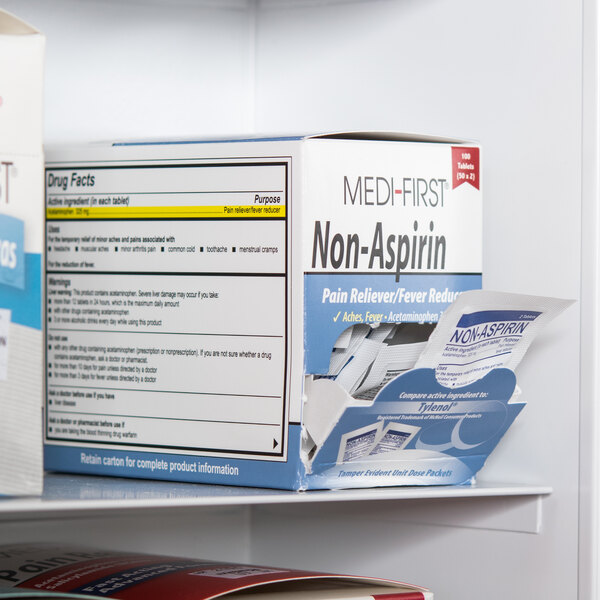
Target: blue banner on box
{"x":12,"y":256}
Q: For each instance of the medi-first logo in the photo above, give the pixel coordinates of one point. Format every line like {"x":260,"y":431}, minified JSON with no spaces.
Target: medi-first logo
{"x":420,"y":250}
{"x":381,"y":191}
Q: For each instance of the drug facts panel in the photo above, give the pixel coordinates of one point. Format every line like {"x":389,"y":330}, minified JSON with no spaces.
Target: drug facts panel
{"x":166,"y":306}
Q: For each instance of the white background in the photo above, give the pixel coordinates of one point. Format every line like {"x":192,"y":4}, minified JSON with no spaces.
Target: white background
{"x":508,"y":74}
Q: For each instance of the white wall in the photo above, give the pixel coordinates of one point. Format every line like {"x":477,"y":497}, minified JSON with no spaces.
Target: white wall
{"x":143,"y":69}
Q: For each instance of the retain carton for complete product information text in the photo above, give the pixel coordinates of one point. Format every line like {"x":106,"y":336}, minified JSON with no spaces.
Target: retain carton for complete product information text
{"x":21,"y":248}
{"x":215,"y":307}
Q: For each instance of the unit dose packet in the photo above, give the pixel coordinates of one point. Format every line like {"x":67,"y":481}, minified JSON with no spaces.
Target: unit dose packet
{"x":484,"y":330}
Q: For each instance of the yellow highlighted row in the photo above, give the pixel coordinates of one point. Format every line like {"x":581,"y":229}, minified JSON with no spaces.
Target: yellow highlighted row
{"x":163,"y":212}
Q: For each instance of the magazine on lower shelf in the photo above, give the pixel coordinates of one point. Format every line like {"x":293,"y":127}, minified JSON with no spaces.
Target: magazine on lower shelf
{"x":57,"y":571}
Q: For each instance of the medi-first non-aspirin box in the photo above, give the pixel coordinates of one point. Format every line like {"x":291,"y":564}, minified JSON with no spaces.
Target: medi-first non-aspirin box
{"x":214,"y":308}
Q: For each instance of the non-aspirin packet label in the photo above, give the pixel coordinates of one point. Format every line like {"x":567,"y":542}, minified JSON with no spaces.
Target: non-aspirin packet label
{"x":358,"y":443}
{"x":485,"y":330}
{"x":395,"y":436}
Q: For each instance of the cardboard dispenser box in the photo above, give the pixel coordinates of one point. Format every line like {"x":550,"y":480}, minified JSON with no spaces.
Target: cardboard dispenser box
{"x":21,"y":243}
{"x":214,"y":306}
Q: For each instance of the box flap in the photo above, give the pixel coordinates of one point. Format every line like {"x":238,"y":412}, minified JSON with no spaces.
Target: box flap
{"x":319,"y":586}
{"x":381,"y":136}
{"x":11,"y":25}
{"x":386,"y":136}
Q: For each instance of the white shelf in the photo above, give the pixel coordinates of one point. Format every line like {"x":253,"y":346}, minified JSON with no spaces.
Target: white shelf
{"x":68,"y":495}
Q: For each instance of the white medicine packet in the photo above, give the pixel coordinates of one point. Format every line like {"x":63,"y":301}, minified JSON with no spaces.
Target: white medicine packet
{"x":390,"y":362}
{"x":345,"y":347}
{"x":358,"y":443}
{"x":483,"y":330}
{"x":395,"y":436}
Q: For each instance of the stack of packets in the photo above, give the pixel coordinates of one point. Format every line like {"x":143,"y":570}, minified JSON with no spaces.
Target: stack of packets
{"x":365,"y":358}
{"x":396,"y":408}
{"x":53,"y":571}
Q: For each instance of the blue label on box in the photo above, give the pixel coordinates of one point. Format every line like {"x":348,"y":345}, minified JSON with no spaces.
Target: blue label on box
{"x":179,"y":467}
{"x":12,"y":256}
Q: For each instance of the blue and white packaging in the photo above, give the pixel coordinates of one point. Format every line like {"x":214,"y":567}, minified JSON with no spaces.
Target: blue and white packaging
{"x":218,"y":309}
{"x":21,"y":248}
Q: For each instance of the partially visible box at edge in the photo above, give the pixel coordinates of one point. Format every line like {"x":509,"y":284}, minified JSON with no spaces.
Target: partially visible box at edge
{"x":21,"y":243}
{"x":217,"y":309}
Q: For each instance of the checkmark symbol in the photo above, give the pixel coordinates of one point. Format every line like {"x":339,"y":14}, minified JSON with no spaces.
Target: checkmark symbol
{"x":337,"y":316}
